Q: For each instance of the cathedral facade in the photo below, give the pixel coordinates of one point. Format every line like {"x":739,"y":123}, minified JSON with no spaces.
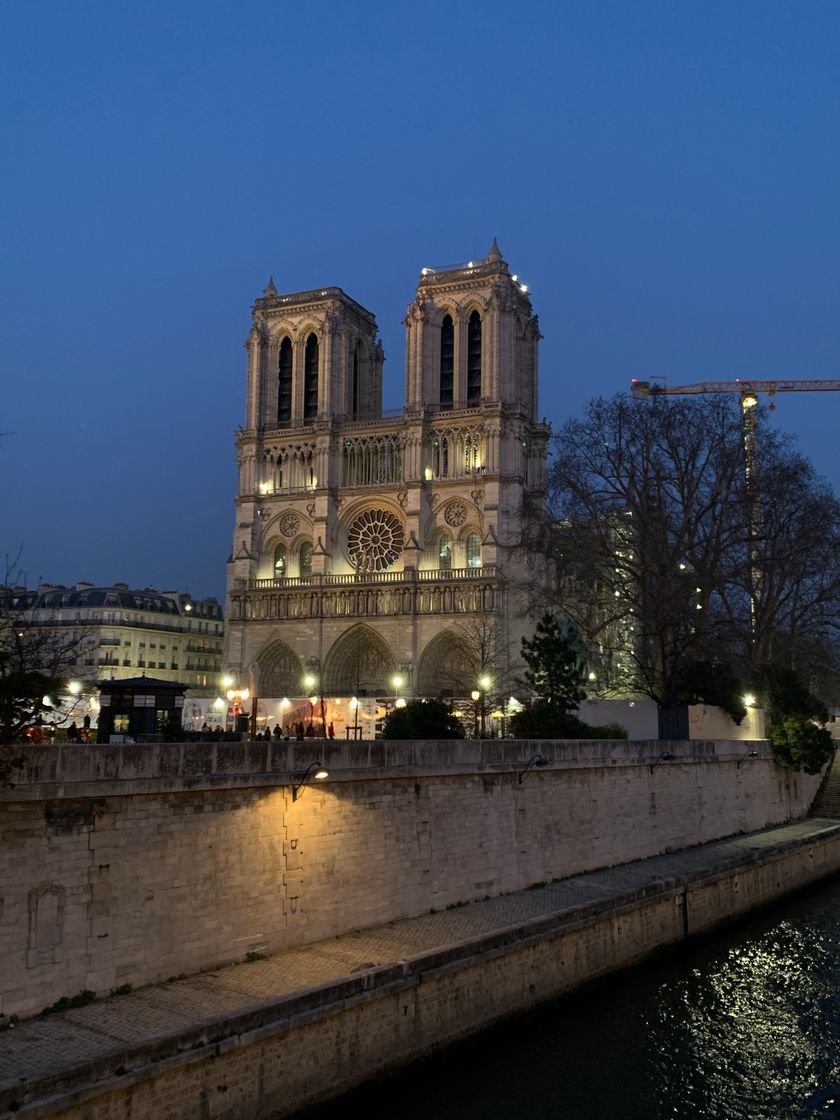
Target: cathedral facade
{"x":385,"y":555}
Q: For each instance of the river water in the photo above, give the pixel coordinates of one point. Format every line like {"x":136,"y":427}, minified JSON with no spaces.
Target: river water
{"x":743,"y":1024}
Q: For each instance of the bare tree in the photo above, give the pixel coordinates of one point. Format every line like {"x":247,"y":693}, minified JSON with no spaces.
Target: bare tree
{"x":797,"y":609}
{"x":37,"y":660}
{"x":649,"y":515}
{"x":653,"y":537}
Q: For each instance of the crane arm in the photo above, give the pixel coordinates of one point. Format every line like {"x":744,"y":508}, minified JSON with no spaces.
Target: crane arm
{"x":644,"y":389}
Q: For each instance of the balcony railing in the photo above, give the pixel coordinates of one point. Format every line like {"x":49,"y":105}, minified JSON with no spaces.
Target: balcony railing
{"x":431,"y":575}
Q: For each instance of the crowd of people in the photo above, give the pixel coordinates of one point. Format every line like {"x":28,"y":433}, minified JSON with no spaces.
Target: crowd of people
{"x":297,"y":731}
{"x":40,"y":732}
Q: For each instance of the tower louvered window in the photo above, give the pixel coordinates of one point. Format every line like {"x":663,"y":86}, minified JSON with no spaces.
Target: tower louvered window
{"x":284,"y":383}
{"x":447,"y":361}
{"x":355,"y":383}
{"x":474,"y":359}
{"x":310,"y":379}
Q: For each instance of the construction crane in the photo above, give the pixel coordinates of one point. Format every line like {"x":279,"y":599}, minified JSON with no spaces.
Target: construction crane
{"x":748,"y":391}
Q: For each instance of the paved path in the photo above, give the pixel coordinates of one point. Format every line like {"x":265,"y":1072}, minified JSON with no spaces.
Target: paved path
{"x":104,"y":1031}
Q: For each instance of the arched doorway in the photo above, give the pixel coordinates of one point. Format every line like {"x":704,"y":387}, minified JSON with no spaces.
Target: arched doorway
{"x":277,"y":671}
{"x":360,"y":663}
{"x":446,"y":667}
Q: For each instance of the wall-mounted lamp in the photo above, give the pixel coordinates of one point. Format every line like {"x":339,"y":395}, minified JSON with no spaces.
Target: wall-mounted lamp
{"x":535,"y":760}
{"x":315,"y":771}
{"x":666,"y":756}
{"x":749,"y":754}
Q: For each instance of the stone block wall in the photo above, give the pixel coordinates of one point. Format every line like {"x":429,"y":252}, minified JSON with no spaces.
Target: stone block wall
{"x":128,"y":865}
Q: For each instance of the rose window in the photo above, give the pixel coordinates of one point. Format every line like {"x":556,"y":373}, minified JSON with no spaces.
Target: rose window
{"x":456,"y":514}
{"x":374,"y":540}
{"x":289,"y":524}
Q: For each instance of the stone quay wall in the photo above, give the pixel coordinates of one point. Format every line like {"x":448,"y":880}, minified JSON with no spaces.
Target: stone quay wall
{"x":132,"y":864}
{"x":271,"y":1061}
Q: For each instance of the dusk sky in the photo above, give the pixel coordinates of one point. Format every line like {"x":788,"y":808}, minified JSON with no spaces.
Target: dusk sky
{"x":665,"y":177}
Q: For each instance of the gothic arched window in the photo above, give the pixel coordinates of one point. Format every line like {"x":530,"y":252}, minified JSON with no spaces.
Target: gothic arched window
{"x":441,"y":467}
{"x":447,"y":361}
{"x":305,"y":560}
{"x":356,"y":364}
{"x":473,"y":551}
{"x":280,"y":561}
{"x":284,"y":382}
{"x":445,"y":553}
{"x":310,"y":379}
{"x":474,"y":359}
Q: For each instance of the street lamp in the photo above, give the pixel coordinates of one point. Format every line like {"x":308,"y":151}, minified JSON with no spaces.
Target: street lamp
{"x":484,"y":683}
{"x":236,"y":698}
{"x":475,"y":696}
{"x":313,"y":681}
{"x":354,"y":704}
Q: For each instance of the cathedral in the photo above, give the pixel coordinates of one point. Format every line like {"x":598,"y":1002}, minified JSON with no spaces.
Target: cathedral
{"x":378,"y":558}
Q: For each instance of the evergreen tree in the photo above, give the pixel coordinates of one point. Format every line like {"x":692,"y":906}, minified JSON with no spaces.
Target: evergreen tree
{"x":555,"y":666}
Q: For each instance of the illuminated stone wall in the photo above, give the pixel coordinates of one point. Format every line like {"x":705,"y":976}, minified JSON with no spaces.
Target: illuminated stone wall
{"x":129,"y":865}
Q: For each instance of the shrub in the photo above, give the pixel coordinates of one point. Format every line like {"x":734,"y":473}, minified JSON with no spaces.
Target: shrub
{"x":541,"y":720}
{"x":422,"y":719}
{"x":800,"y":744}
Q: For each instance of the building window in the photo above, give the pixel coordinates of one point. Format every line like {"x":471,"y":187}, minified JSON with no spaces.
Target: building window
{"x":447,"y":361}
{"x":374,"y":540}
{"x":441,"y":468}
{"x":445,"y":553}
{"x":355,"y":411}
{"x":305,"y":560}
{"x":310,"y":379}
{"x":474,"y":359}
{"x":473,"y":551}
{"x":284,"y":383}
{"x":280,"y":561}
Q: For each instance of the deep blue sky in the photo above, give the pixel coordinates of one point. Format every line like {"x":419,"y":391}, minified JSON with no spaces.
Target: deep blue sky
{"x":664,"y":177}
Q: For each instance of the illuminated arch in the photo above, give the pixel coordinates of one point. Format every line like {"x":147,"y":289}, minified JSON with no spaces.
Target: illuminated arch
{"x":360,"y":663}
{"x":277,"y":671}
{"x":445,"y":667}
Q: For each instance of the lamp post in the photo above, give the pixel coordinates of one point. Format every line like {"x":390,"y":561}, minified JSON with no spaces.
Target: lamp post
{"x":475,"y":696}
{"x":313,"y":681}
{"x":397,"y":681}
{"x":484,"y":683}
{"x":236,"y":698}
{"x":354,"y":703}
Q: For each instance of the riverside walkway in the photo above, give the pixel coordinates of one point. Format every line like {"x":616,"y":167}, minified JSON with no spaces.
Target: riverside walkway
{"x":51,"y":1064}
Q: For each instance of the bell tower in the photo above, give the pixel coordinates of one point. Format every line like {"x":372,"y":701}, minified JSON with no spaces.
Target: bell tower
{"x":472,"y":339}
{"x":311,"y":355}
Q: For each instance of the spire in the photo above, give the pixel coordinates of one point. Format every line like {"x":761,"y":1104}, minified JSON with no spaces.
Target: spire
{"x":269,"y":290}
{"x":495,"y":253}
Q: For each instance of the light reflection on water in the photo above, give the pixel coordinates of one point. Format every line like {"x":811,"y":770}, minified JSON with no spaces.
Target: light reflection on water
{"x":741,"y":1025}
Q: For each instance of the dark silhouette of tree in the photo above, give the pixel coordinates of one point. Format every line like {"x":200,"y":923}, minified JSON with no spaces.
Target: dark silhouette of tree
{"x":555,"y":666}
{"x":36,"y":664}
{"x":656,"y":550}
{"x":422,"y":719}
